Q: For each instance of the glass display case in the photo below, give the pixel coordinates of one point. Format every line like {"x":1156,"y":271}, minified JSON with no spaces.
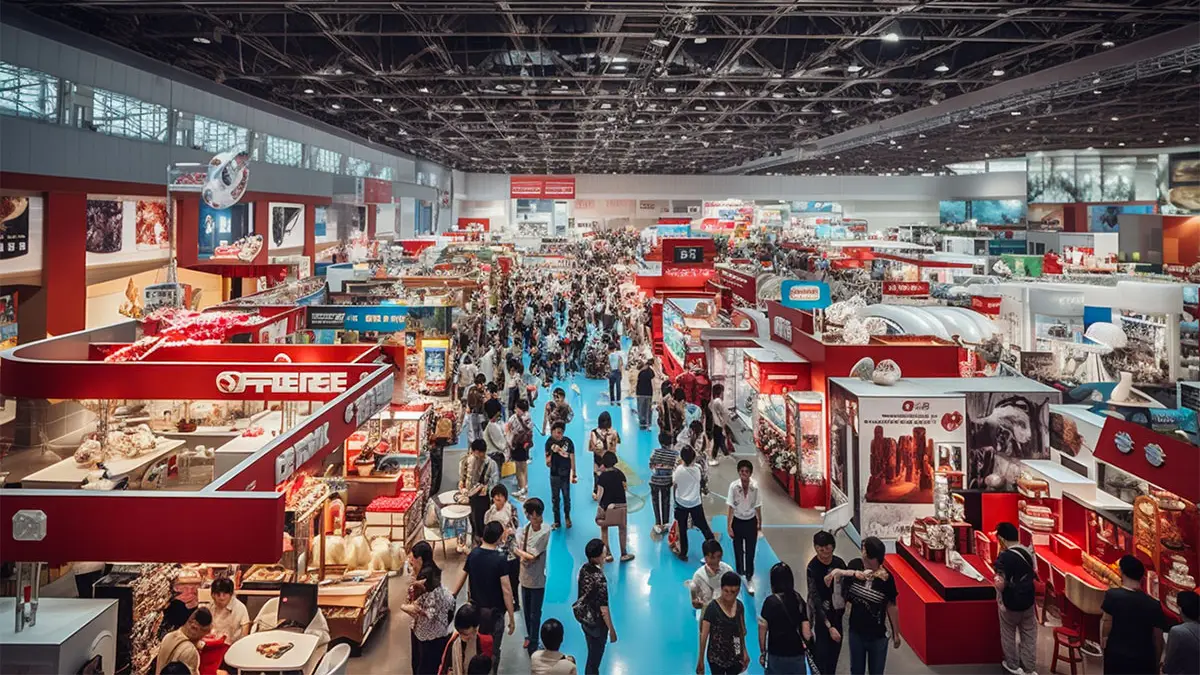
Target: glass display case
{"x":389,"y":454}
{"x":771,"y":439}
{"x":806,"y":437}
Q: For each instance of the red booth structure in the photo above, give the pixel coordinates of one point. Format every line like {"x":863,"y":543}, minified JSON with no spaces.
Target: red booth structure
{"x":686,"y":265}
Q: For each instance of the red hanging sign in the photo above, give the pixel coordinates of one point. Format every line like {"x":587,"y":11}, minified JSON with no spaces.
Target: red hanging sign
{"x":986,"y":306}
{"x":541,"y":187}
{"x":907,"y":288}
{"x":1156,"y":458}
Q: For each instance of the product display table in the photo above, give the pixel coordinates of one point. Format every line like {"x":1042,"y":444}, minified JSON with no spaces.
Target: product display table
{"x":244,"y":656}
{"x":447,"y":498}
{"x":240,"y":447}
{"x":68,"y":474}
{"x":940,"y":631}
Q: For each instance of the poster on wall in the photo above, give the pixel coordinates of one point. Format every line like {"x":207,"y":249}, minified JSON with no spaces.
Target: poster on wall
{"x":125,"y":230}
{"x":1103,"y":218}
{"x":998,"y":211}
{"x":14,"y":227}
{"x":228,"y":234}
{"x":320,"y":226}
{"x":843,"y":412}
{"x":1003,"y":429}
{"x":1046,"y":217}
{"x":952,"y":211}
{"x":8,"y":321}
{"x":898,"y":438}
{"x":287,"y":226}
{"x":1179,"y":183}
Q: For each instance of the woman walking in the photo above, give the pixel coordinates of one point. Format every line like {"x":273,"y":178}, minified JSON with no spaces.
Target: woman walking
{"x":602,"y":440}
{"x":613,"y":511}
{"x":723,"y":631}
{"x":783,"y":627}
{"x":520,"y":440}
{"x":591,"y":608}
{"x":430,"y":605}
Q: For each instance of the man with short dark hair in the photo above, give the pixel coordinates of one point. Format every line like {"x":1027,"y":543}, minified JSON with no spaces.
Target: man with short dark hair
{"x":486,"y":570}
{"x":688,"y":505}
{"x":744,"y":518}
{"x":550,"y":661}
{"x":1183,"y":642}
{"x":560,"y":458}
{"x":530,"y":549}
{"x":826,"y":619}
{"x":1131,"y":629}
{"x":1014,"y":581}
{"x":477,"y":475}
{"x":180,"y":645}
{"x":644,"y":390}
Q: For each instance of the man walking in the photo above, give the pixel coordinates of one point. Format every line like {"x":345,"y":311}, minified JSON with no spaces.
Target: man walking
{"x":486,"y":570}
{"x":745,"y":521}
{"x":560,"y":458}
{"x":1014,"y":580}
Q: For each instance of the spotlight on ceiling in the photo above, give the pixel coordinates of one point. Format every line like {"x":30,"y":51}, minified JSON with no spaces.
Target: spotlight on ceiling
{"x":336,"y":106}
{"x":1108,"y":43}
{"x":377,"y":100}
{"x":836,"y":111}
{"x":700,"y":40}
{"x":942,"y":68}
{"x":308,"y":91}
{"x":423,"y":90}
{"x":200,"y":39}
{"x":1015,"y":113}
{"x":853,"y":68}
{"x":999,"y":72}
{"x":670,"y":90}
{"x":890,"y":36}
{"x":659,"y":41}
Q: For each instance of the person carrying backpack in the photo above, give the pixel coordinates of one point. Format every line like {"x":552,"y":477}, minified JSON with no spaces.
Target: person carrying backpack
{"x":1015,"y":577}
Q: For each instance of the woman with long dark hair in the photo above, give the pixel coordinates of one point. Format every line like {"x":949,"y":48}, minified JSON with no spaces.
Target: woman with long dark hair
{"x":603,"y":439}
{"x":783,"y":627}
{"x":431,"y":607}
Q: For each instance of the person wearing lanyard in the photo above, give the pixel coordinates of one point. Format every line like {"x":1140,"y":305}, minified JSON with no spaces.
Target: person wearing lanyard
{"x":745,"y":521}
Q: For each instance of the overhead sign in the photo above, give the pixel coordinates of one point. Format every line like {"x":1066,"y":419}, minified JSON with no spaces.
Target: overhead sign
{"x":378,"y":318}
{"x":985,"y":305}
{"x":805,"y":294}
{"x":909,"y":288}
{"x":689,"y":254}
{"x":541,"y":187}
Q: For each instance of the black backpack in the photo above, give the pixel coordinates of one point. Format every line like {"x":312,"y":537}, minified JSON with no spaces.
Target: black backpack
{"x":1019,"y":592}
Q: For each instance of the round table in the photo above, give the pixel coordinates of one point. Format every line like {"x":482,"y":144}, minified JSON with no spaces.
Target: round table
{"x":456,"y":516}
{"x":447,"y":498}
{"x":243,"y":654}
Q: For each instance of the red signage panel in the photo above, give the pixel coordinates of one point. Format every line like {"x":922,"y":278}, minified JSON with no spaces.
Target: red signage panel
{"x":986,"y":306}
{"x":741,"y":284}
{"x":541,"y":187}
{"x":910,"y":288}
{"x":559,"y":187}
{"x":1156,"y":458}
{"x":376,"y":191}
{"x":525,"y":187}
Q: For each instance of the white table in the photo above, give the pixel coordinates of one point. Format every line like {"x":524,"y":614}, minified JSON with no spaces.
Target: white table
{"x":244,"y":656}
{"x":68,"y":474}
{"x":447,"y":498}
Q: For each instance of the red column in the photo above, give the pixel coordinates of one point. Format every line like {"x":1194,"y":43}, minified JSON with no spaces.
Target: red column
{"x":372,"y":212}
{"x":262,"y":225}
{"x":187,"y":230}
{"x":64,"y":264}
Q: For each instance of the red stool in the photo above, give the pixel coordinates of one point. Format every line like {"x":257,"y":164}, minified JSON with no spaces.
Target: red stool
{"x":1073,"y":641}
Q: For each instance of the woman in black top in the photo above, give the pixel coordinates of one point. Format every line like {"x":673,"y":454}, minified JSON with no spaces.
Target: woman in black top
{"x":610,"y":492}
{"x":723,"y":631}
{"x":871,"y":592}
{"x":783,"y":624}
{"x":591,"y":609}
{"x":824,"y":615}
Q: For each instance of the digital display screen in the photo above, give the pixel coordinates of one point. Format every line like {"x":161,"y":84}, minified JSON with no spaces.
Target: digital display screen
{"x":689,"y":254}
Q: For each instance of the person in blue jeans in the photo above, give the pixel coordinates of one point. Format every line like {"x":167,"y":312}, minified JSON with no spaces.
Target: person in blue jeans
{"x":616,"y":363}
{"x":870,"y":593}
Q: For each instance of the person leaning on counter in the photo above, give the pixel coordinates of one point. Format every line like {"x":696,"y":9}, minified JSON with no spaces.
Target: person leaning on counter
{"x":230,"y":619}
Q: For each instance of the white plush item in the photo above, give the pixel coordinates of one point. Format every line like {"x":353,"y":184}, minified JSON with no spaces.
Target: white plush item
{"x":875,"y":325}
{"x":1002,"y":269}
{"x":397,"y":549}
{"x":358,"y":552}
{"x":855,"y":332}
{"x":335,"y":550}
{"x":887,"y":373}
{"x":863,"y":369}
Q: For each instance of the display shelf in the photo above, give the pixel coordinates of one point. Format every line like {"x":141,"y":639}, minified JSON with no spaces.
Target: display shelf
{"x":68,"y":474}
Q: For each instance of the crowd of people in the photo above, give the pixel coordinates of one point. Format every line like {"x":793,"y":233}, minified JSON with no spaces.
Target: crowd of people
{"x":544,"y":325}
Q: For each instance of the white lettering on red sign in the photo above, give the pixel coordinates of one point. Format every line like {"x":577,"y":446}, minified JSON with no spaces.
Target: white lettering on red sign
{"x":235,"y":382}
{"x":906,"y":288}
{"x":301,"y":452}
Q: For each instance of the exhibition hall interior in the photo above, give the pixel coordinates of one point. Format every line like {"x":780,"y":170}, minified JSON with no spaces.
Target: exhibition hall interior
{"x":602,"y":337}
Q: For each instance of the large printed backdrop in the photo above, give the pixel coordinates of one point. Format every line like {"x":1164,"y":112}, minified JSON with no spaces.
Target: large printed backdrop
{"x":1005,"y":428}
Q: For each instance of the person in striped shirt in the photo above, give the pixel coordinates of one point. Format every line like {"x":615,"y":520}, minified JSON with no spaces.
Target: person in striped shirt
{"x":662,"y":464}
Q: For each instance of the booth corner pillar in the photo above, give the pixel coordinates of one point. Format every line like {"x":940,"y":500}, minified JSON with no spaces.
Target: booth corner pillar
{"x":372,"y":212}
{"x":64,"y":267}
{"x":310,"y":235}
{"x":187,"y":230}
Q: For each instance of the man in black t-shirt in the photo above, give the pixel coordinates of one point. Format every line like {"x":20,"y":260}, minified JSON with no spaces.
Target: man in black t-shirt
{"x":1014,"y":582}
{"x":560,"y":458}
{"x":645,"y":394}
{"x":871,"y":592}
{"x":485,"y":573}
{"x":826,"y":620}
{"x":1131,"y":630}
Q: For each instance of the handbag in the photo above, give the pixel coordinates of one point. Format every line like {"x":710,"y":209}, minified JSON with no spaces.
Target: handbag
{"x":584,"y":613}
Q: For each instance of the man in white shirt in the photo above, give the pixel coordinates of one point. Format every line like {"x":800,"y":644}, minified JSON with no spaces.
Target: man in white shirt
{"x":616,"y":364}
{"x":720,"y":420}
{"x":550,"y":661}
{"x":466,"y":376}
{"x":706,"y":582}
{"x":745,"y":521}
{"x":687,"y":500}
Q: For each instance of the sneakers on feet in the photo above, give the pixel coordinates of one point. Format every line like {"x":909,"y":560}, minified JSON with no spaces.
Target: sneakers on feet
{"x":749,"y":585}
{"x":568,"y":523}
{"x":1011,"y":669}
{"x":712,"y":462}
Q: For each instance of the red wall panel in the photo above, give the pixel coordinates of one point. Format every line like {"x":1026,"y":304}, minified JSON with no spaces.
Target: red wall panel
{"x":64,"y":266}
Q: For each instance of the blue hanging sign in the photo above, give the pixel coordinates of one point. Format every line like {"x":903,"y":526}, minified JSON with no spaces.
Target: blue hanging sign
{"x":805,"y":294}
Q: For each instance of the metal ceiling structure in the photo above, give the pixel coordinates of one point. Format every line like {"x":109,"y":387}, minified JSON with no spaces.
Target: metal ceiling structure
{"x":800,"y":87}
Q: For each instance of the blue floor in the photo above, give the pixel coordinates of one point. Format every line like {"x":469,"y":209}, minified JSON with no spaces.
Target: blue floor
{"x":656,"y":626}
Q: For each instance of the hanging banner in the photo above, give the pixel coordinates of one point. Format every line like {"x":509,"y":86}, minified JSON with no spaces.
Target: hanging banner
{"x":367,"y":318}
{"x":541,"y":187}
{"x":805,"y":294}
{"x":907,"y":288}
{"x":986,"y":306}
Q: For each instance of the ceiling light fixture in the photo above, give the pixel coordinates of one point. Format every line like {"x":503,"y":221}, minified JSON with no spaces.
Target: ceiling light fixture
{"x":308,"y":91}
{"x":778,"y":94}
{"x":377,"y":100}
{"x":942,"y":68}
{"x":202,"y":40}
{"x":1015,"y":113}
{"x":423,"y":90}
{"x":639,"y":121}
{"x":1108,"y":43}
{"x":336,"y":106}
{"x":999,"y":72}
{"x":890,"y":36}
{"x":719,"y":93}
{"x":963,"y":126}
{"x":620,"y":59}
{"x":670,"y":90}
{"x":853,"y":68}
{"x":618,"y":67}
{"x":391,"y":108}
{"x":701,"y":108}
{"x":700,"y":40}
{"x":1096,"y":92}
{"x":1115,"y":118}
{"x":836,"y":111}
{"x":659,"y":41}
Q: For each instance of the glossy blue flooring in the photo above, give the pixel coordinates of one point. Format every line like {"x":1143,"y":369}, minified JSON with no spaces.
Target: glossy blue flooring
{"x":656,"y":625}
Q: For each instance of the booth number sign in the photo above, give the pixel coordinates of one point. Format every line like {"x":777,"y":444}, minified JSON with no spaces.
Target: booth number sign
{"x":689,"y":254}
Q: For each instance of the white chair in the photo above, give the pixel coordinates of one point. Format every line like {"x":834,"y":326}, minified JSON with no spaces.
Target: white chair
{"x":335,"y":661}
{"x":435,"y":528}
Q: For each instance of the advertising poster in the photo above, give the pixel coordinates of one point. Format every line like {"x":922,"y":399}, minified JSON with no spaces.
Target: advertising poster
{"x":125,"y":230}
{"x":1179,"y":184}
{"x":8,"y":321}
{"x":14,"y":227}
{"x":104,"y":226}
{"x":1002,"y":429}
{"x":998,"y":211}
{"x":805,"y":294}
{"x":952,"y":211}
{"x":673,"y":332}
{"x":320,"y":224}
{"x":897,"y":441}
{"x":1103,"y":218}
{"x":287,"y":226}
{"x":843,"y":415}
{"x":228,"y":234}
